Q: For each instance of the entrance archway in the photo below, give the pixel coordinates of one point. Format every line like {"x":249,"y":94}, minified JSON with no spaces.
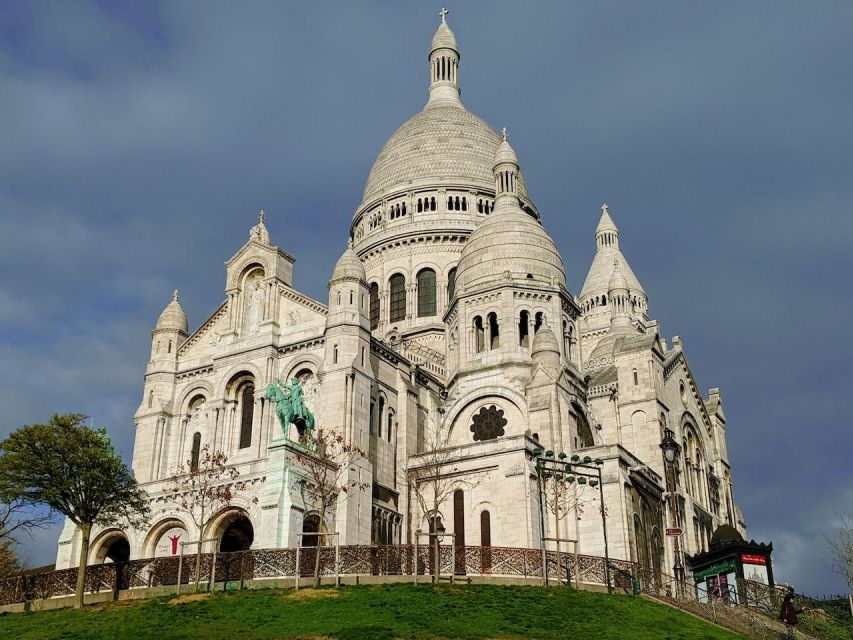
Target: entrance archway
{"x":111,"y":546}
{"x":237,"y":536}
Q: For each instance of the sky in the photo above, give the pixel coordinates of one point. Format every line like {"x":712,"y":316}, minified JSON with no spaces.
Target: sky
{"x":139,"y":140}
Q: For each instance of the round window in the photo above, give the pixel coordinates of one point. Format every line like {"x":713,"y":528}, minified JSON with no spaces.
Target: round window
{"x":488,"y":423}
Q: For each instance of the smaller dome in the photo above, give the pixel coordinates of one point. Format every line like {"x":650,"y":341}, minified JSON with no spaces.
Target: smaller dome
{"x":505,"y":151}
{"x":444,"y":38}
{"x":725,"y":534}
{"x":546,"y":349}
{"x":173,"y":316}
{"x":349,"y":266}
{"x":545,"y":340}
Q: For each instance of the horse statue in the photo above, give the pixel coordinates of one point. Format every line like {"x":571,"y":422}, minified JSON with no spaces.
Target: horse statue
{"x":290,"y":407}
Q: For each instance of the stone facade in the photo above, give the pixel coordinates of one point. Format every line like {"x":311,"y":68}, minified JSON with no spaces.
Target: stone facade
{"x":449,"y":326}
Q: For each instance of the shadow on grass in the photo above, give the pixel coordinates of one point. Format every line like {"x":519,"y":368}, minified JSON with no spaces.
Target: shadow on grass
{"x":369,"y":632}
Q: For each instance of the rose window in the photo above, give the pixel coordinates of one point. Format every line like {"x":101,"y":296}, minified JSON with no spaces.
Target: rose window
{"x":489,"y":423}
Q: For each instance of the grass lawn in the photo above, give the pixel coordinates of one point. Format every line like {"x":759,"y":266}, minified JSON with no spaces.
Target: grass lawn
{"x":372,"y":612}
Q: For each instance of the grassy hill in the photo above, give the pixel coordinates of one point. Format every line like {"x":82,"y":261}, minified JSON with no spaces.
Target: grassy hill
{"x":372,"y":612}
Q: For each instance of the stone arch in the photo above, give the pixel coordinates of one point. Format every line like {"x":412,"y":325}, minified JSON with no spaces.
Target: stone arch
{"x":229,"y":375}
{"x":199,"y":388}
{"x":514,"y":398}
{"x":586,"y":433}
{"x":155,"y":535}
{"x":232,"y":528}
{"x":463,"y":415}
{"x":304,"y":361}
{"x":111,"y":545}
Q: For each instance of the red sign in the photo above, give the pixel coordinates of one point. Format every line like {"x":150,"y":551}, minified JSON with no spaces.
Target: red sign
{"x":674,"y":532}
{"x":751,"y":558}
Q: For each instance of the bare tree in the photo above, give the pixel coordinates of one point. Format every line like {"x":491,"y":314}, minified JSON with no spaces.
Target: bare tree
{"x":17,"y":516}
{"x":433,"y":477}
{"x":561,"y":498}
{"x":326,"y":461}
{"x":841,"y":544}
{"x":203,"y":490}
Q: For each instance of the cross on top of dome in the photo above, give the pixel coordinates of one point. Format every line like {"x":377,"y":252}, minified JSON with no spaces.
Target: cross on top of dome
{"x":443,"y":13}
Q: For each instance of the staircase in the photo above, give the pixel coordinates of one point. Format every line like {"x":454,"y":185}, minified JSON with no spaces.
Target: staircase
{"x":750,"y":621}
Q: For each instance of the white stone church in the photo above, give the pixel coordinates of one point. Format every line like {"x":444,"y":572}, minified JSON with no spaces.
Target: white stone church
{"x":448,"y":319}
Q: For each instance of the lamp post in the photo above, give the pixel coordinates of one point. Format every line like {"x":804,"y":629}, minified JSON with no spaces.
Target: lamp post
{"x":439,"y":536}
{"x":584,"y":471}
{"x":671,"y":449}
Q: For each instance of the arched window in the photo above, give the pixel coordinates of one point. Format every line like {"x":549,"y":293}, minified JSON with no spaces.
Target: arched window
{"x":494,"y":331}
{"x":451,"y":284}
{"x":480,"y":205}
{"x":372,"y":424}
{"x":404,"y":209}
{"x":169,"y":350}
{"x":374,"y":305}
{"x":247,"y":413}
{"x":379,"y":416}
{"x":538,"y":321}
{"x":523,"y":330}
{"x":390,"y":424}
{"x":479,"y":335}
{"x":335,"y":355}
{"x":432,"y":204}
{"x":426,"y":293}
{"x":485,"y":529}
{"x":196,"y":451}
{"x":458,"y":204}
{"x":150,"y":399}
{"x":398,"y":297}
{"x":636,"y":378}
{"x":420,"y":206}
{"x":567,"y":339}
{"x":450,"y":203}
{"x":464,"y":204}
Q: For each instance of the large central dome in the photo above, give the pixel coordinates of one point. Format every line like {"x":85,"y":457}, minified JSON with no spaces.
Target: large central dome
{"x":443,"y":144}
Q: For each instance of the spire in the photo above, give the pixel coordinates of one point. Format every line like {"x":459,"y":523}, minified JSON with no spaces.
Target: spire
{"x":601,"y":272}
{"x":619,"y":298}
{"x":176,"y":297}
{"x":259,"y":231}
{"x":444,"y":65}
{"x":606,"y":233}
{"x":506,"y":171}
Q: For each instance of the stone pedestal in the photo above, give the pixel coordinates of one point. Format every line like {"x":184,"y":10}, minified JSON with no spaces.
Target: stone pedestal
{"x":281,"y":504}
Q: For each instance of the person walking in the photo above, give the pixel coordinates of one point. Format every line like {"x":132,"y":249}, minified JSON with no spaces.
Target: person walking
{"x":788,"y":614}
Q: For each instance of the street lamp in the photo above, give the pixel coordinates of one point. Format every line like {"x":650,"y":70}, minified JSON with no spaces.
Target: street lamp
{"x":671,"y":449}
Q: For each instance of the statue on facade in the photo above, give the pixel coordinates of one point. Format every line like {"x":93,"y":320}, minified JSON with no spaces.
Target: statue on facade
{"x":256,"y":305}
{"x":290,"y":406}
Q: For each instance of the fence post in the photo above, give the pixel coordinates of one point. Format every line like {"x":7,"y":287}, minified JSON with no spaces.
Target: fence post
{"x":180,"y":569}
{"x":415,"y":562}
{"x":213,"y":571}
{"x":297,"y":567}
{"x":337,"y":560}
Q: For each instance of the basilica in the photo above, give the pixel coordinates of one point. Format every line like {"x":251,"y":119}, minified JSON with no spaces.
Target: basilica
{"x":449,"y":326}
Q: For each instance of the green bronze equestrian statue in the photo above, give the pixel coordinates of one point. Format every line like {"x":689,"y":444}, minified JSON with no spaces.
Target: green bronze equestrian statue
{"x":289,"y":406}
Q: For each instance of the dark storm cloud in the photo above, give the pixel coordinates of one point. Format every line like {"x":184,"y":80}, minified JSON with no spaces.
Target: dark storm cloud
{"x":140,"y":139}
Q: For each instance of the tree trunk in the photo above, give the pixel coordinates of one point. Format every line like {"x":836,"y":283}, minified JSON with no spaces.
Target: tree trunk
{"x":86,"y":532}
{"x":198,"y":554}
{"x":317,"y":562}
